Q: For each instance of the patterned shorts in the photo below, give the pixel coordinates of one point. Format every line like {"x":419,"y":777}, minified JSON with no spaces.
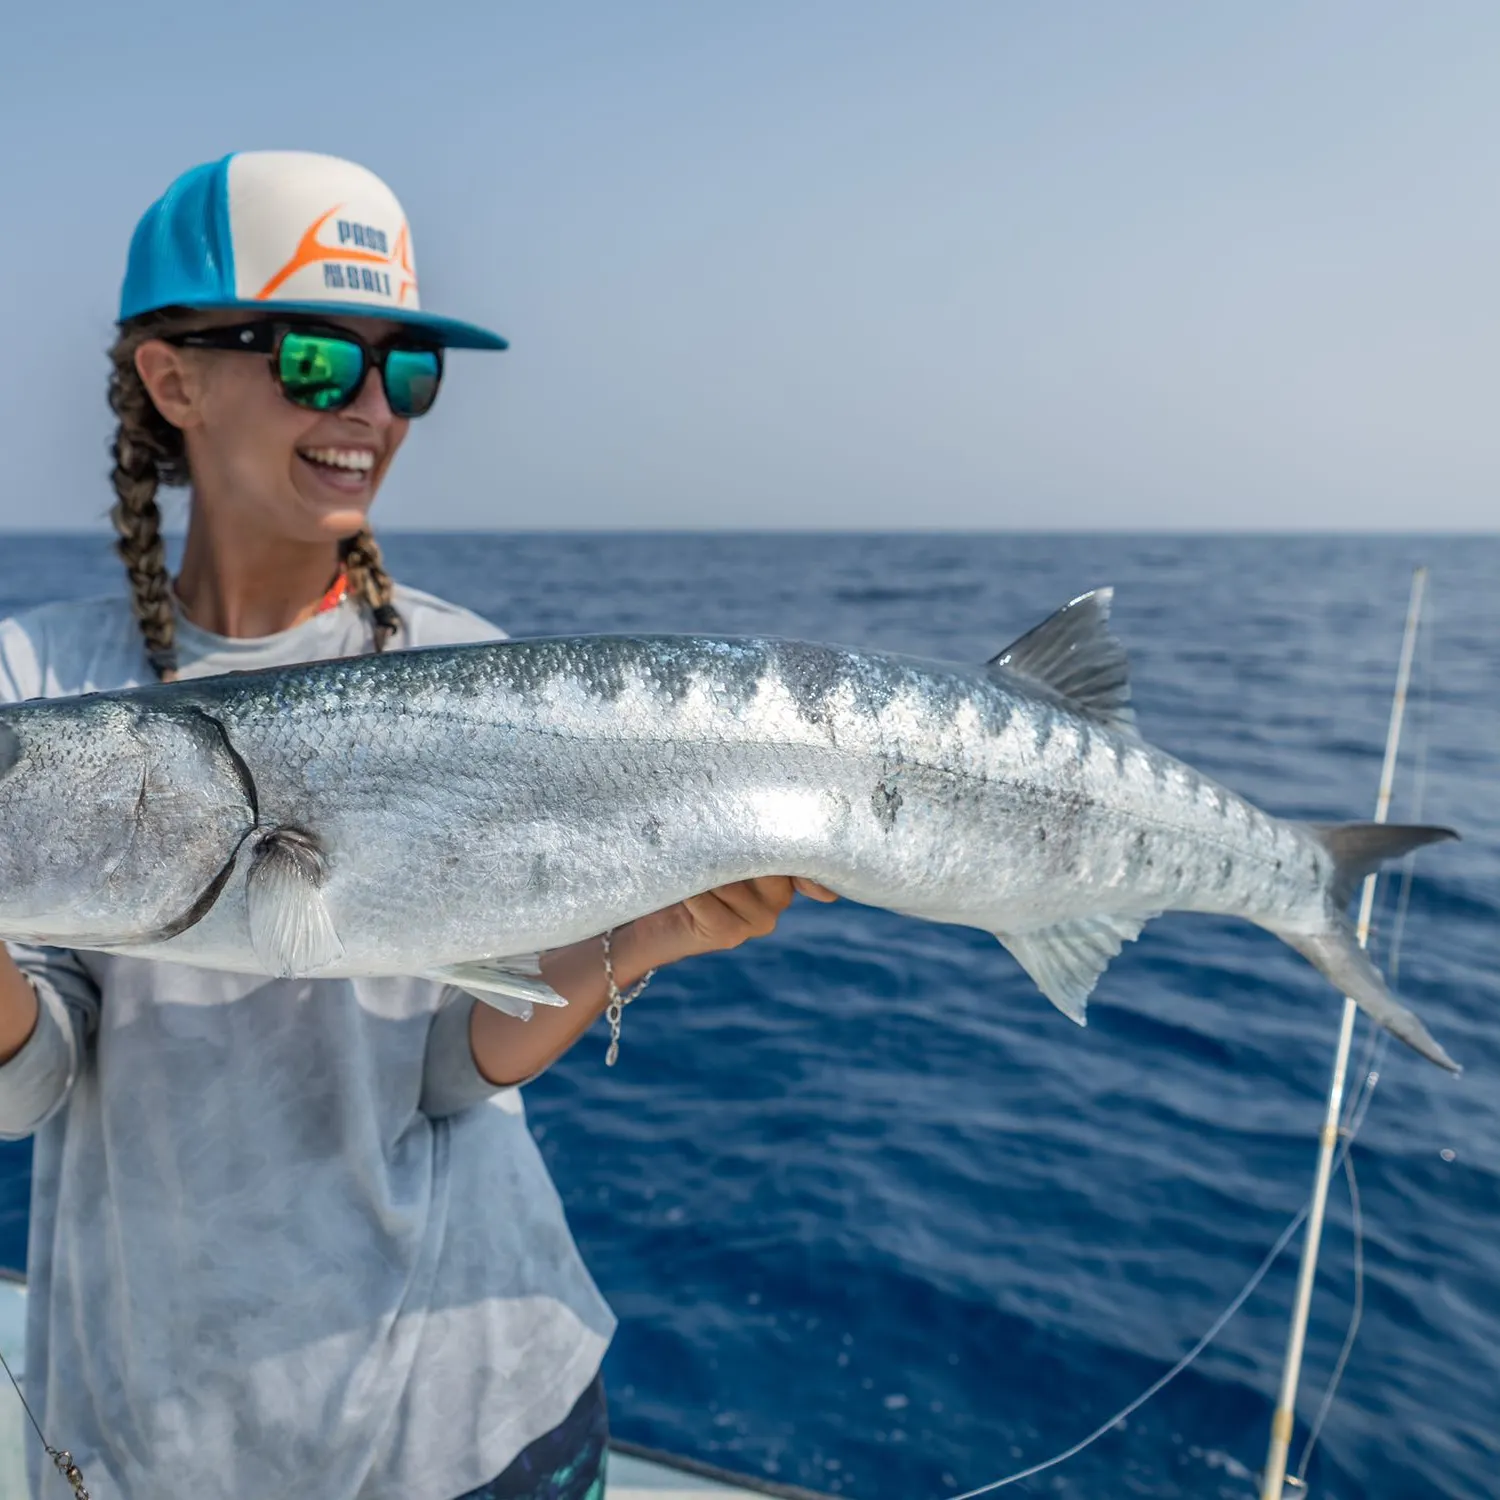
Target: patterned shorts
{"x":564,"y":1464}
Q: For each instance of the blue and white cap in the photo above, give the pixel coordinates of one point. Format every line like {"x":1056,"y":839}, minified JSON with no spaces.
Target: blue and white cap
{"x":283,"y":231}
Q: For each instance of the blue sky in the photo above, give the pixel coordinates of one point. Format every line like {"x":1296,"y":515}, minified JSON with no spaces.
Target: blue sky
{"x":832,"y":264}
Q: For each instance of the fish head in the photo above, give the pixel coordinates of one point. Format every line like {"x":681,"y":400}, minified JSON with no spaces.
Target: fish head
{"x":115,"y":819}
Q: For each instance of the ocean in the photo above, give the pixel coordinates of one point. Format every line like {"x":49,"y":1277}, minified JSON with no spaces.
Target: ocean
{"x":876,"y":1219}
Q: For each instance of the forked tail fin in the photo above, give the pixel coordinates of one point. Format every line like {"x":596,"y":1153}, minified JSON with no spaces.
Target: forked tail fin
{"x":1359,"y":849}
{"x":1338,"y":957}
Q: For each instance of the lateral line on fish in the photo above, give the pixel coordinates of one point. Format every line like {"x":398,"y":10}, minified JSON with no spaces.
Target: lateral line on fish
{"x":1150,"y":820}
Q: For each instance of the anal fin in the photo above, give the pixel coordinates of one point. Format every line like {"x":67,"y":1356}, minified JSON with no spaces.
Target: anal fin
{"x":1066,"y":959}
{"x":512,"y":985}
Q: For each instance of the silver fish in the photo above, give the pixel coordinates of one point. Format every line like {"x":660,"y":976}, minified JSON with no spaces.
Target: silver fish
{"x":453,"y":812}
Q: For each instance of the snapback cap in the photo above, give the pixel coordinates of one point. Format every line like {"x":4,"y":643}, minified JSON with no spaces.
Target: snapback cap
{"x":283,"y":231}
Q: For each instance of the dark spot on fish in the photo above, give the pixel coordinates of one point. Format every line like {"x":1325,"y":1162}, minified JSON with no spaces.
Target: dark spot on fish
{"x":873,"y":683}
{"x":140,"y":798}
{"x":811,"y":675}
{"x":1226,"y":869}
{"x":10,"y":749}
{"x":1041,"y":834}
{"x":604,"y":677}
{"x":667,"y":673}
{"x":1277,"y":866}
{"x":650,"y":830}
{"x":885,"y":801}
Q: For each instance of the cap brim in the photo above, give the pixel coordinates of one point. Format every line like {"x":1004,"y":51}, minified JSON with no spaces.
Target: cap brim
{"x":450,"y":333}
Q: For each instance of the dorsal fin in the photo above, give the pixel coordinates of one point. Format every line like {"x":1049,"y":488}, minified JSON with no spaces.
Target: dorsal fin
{"x":1074,"y":654}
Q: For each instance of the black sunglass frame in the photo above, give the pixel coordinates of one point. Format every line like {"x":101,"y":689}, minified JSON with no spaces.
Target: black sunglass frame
{"x":265,"y":336}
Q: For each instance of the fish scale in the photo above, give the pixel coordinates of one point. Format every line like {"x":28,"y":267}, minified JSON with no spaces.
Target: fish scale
{"x":453,"y":812}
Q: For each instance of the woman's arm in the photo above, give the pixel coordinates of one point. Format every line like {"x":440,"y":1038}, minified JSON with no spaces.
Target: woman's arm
{"x":18,"y":1007}
{"x":49,"y":1007}
{"x":509,"y":1051}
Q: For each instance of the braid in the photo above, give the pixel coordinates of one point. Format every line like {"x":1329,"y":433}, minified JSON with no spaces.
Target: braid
{"x":371,"y":584}
{"x":148,"y":452}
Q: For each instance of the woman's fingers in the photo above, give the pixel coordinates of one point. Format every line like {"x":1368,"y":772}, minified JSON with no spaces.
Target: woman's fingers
{"x":731,"y":914}
{"x":813,"y":889}
{"x":745,"y":909}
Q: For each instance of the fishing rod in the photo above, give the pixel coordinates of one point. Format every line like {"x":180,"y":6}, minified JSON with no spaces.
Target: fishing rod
{"x":1273,"y":1481}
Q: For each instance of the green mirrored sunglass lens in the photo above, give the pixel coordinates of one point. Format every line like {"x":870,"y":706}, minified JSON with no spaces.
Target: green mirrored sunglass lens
{"x":411,"y":380}
{"x":319,"y":371}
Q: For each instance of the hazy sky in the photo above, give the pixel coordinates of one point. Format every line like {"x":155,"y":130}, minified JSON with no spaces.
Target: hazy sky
{"x":831,"y":264}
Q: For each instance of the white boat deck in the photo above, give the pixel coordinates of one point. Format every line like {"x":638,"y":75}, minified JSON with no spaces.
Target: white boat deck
{"x":631,"y":1476}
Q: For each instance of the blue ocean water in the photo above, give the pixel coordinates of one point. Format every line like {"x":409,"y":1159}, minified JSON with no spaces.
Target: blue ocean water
{"x":876,"y":1219}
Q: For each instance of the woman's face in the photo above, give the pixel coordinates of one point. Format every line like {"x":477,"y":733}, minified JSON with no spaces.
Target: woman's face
{"x":301,"y":475}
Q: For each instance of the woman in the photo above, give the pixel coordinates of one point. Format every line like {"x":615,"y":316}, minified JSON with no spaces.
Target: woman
{"x":293,"y":1237}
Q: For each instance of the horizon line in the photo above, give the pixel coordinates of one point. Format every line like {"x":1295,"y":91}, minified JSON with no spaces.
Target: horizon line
{"x":1308,"y":532}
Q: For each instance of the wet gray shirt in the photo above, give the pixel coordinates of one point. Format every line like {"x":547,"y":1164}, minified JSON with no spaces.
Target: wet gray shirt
{"x":285,"y":1238}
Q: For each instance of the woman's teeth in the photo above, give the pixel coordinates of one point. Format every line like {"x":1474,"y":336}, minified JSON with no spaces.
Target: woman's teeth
{"x":359,"y":460}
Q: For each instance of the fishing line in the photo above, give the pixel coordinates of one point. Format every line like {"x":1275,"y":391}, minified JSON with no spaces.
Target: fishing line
{"x":62,"y":1460}
{"x":1355,"y":1318}
{"x":1214,"y":1330}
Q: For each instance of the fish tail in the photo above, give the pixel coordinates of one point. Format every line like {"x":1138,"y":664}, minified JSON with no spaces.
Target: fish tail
{"x":1358,"y":850}
{"x":1338,"y":957}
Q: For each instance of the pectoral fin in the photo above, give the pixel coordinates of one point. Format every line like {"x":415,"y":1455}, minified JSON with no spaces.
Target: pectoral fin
{"x":290,"y":928}
{"x":512,"y":985}
{"x":1067,"y":959}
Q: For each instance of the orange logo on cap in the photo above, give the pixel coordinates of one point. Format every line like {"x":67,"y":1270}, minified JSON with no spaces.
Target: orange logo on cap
{"x":401,"y":255}
{"x":310,"y":252}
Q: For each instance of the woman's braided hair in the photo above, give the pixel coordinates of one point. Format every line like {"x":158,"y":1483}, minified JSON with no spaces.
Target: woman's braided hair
{"x":371,"y":584}
{"x":148,"y":453}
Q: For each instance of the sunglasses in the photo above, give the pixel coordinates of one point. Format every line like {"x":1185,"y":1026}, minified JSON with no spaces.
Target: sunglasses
{"x":324,"y":369}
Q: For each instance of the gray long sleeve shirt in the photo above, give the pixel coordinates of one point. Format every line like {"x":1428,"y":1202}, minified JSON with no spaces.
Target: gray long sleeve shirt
{"x":285,"y":1238}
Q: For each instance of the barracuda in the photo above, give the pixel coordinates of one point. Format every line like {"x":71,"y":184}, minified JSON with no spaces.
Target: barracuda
{"x":454,"y":812}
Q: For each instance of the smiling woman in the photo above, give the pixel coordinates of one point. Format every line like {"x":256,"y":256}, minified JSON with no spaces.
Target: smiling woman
{"x":293,"y":1237}
{"x":306,"y":467}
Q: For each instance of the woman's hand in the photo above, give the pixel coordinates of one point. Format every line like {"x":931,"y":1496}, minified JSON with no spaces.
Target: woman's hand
{"x":509,"y":1051}
{"x":718,"y":919}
